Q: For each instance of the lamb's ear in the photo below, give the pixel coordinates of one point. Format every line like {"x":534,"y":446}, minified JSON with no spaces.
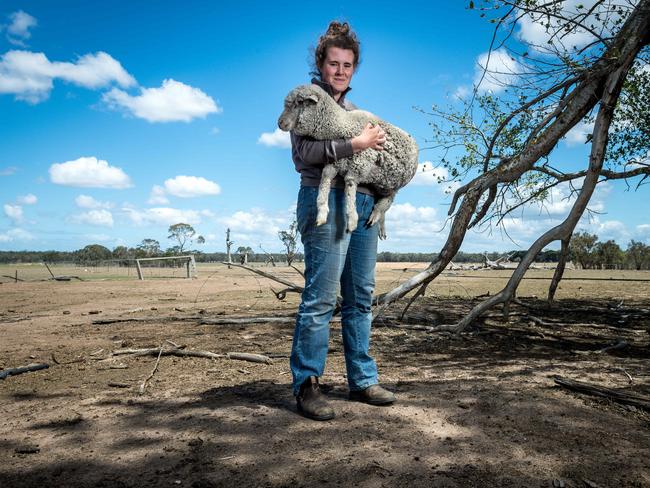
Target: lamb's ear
{"x":312,"y":97}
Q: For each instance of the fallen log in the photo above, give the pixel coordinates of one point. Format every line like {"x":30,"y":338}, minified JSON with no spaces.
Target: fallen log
{"x":615,"y":395}
{"x":22,"y":369}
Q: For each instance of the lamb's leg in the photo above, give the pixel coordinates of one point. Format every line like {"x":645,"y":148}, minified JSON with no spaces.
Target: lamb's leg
{"x":378,"y":212}
{"x":351,"y":203}
{"x":328,"y":174}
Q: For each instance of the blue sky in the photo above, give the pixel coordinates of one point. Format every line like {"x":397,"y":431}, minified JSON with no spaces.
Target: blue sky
{"x":118,"y":119}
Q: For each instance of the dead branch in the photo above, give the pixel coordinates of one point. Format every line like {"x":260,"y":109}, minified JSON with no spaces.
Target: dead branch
{"x":559,"y":269}
{"x":287,"y":283}
{"x":248,"y":320}
{"x":153,"y":372}
{"x":171,"y":318}
{"x":22,"y":369}
{"x":254,"y":358}
{"x":615,"y":395}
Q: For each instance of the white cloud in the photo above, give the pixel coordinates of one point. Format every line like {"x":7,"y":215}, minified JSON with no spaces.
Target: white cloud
{"x":215,"y":131}
{"x":405,"y":220}
{"x":18,"y":29}
{"x":157,"y":196}
{"x":533,"y":30}
{"x":86,"y":201}
{"x":255,"y":225}
{"x":15,"y":235}
{"x":578,"y":133}
{"x":191,"y":186}
{"x":429,"y":175}
{"x":605,"y":230}
{"x":29,"y":75}
{"x":89,"y":172}
{"x":172,"y":102}
{"x":162,"y":216}
{"x":29,"y":199}
{"x":502,"y":70}
{"x":277,"y":138}
{"x":102,"y":218}
{"x":8,"y":171}
{"x":14,"y":212}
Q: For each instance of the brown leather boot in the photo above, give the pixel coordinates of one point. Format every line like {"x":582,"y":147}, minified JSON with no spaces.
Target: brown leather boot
{"x":373,"y":395}
{"x":311,"y":402}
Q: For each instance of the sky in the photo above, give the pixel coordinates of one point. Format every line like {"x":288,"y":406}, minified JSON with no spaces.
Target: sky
{"x":119,"y":119}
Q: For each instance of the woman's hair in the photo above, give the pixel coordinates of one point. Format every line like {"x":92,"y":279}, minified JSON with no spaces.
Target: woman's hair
{"x":339,"y":34}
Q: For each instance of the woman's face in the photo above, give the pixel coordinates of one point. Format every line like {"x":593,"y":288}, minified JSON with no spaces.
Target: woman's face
{"x":337,"y":69}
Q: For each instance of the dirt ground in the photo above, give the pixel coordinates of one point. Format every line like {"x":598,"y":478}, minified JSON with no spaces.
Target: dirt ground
{"x":478,"y":409}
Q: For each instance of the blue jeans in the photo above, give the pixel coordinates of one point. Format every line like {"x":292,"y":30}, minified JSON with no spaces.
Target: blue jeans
{"x":332,"y":257}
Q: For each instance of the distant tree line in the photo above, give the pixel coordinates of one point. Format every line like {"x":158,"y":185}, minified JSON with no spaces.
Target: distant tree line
{"x":587,"y":252}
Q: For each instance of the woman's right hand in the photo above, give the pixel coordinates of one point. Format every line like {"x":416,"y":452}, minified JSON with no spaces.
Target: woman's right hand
{"x":372,"y":136}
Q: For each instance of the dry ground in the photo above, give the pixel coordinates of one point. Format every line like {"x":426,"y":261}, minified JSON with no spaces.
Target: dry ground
{"x":480,"y":409}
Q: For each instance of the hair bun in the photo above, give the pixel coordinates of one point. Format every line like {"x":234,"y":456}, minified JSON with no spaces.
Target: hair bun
{"x":338,"y":28}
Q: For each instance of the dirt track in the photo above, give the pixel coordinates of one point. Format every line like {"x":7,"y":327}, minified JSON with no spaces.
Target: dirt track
{"x":476,"y":410}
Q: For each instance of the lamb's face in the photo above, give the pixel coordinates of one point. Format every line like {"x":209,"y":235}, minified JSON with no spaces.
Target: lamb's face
{"x":297,"y":107}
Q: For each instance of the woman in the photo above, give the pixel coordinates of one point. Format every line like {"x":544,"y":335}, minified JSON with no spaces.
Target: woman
{"x":333,"y":256}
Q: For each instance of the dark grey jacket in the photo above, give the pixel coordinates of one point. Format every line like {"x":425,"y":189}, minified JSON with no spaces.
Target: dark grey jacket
{"x":310,"y":155}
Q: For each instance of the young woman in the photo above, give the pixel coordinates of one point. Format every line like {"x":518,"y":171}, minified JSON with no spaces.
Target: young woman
{"x":333,"y":256}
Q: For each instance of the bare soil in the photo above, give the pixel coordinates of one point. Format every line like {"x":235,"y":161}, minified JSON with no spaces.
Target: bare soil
{"x":479,"y":409}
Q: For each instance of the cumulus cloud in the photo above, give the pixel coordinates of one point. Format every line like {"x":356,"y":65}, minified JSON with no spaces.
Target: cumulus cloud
{"x":255,"y":224}
{"x":19,"y":25}
{"x":89,"y":172}
{"x":14,"y":212}
{"x":429,"y":175}
{"x":579,"y":133}
{"x":533,"y":28}
{"x":15,"y":235}
{"x":29,"y":76}
{"x":172,"y":102}
{"x":157,"y":196}
{"x":162,"y":216}
{"x":500,"y":70}
{"x":190,"y":186}
{"x":101,"y":218}
{"x":405,"y":220}
{"x":86,"y":201}
{"x":29,"y":199}
{"x":277,"y":138}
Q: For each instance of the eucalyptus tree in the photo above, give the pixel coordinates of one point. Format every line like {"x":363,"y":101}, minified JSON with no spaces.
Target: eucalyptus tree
{"x":587,"y":65}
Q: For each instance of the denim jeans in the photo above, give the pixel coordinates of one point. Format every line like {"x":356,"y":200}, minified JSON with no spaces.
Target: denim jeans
{"x":332,"y":257}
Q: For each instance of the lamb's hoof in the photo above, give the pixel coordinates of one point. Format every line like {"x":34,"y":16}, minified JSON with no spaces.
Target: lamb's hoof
{"x":375,"y":216}
{"x":321,"y":218}
{"x":382,"y":232}
{"x":353,"y":220}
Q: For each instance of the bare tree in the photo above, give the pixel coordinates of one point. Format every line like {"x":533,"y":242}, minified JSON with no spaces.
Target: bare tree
{"x":229,"y":244}
{"x":550,"y":90}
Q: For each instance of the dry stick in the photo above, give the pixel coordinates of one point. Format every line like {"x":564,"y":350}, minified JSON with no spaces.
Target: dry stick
{"x":253,"y":358}
{"x":601,"y":391}
{"x":15,"y":278}
{"x":287,"y":283}
{"x":248,"y":320}
{"x":153,"y":372}
{"x":22,"y":369}
{"x":171,"y":318}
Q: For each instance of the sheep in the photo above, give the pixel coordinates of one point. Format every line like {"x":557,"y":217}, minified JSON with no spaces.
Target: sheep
{"x":310,"y":111}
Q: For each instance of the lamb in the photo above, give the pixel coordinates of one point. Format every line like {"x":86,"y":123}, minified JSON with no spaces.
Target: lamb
{"x":310,"y":111}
